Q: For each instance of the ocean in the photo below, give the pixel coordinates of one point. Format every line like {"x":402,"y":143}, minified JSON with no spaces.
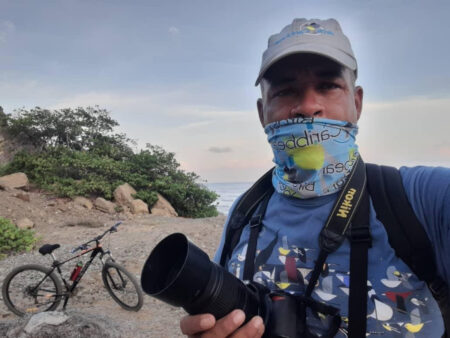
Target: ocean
{"x":228,"y":192}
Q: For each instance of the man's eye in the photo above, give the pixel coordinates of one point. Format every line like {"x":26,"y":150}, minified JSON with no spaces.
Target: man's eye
{"x":284,"y":92}
{"x":328,"y":86}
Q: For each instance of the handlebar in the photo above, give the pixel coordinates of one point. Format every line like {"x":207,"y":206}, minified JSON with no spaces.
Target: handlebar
{"x":84,"y":246}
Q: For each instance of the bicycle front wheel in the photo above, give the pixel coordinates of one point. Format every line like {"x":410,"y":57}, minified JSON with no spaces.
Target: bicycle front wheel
{"x":30,"y":289}
{"x":122,"y":286}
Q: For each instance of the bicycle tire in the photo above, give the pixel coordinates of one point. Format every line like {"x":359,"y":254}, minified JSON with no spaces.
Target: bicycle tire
{"x":19,"y":283}
{"x":116,"y":278}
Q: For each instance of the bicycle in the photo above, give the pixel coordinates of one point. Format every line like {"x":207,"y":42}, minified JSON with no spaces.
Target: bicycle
{"x":34,"y":288}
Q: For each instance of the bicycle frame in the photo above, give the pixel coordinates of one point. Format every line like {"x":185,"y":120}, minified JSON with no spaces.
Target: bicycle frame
{"x":85,"y":249}
{"x":71,"y":287}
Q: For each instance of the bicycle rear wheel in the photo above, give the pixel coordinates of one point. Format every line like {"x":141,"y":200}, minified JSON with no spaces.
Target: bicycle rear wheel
{"x":30,"y":289}
{"x":122,"y":286}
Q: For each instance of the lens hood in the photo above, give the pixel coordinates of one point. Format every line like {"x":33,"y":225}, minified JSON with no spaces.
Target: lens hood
{"x":176,"y":271}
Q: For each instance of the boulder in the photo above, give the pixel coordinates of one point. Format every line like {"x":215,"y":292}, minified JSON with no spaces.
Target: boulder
{"x":23,"y":196}
{"x":62,"y":205}
{"x":17,"y":180}
{"x":163,"y":208}
{"x":49,"y":318}
{"x":10,"y":190}
{"x":123,"y":194}
{"x":138,"y":207}
{"x":104,"y":205}
{"x":25,"y":223}
{"x":68,"y":325}
{"x":83,"y":202}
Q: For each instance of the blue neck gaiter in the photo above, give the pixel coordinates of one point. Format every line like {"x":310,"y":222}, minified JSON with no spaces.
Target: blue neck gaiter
{"x":313,"y":156}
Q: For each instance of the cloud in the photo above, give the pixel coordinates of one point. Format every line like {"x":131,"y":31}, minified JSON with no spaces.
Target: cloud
{"x":214,"y":141}
{"x":173,"y":106}
{"x":406,"y":132}
{"x":6,"y":29}
{"x":174,"y":30}
{"x":219,"y":150}
{"x":194,"y":125}
{"x":444,"y":151}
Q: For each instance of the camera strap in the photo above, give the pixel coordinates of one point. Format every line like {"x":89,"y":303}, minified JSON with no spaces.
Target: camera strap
{"x":360,"y":242}
{"x":335,"y":229}
{"x":352,"y":203}
{"x":350,"y":212}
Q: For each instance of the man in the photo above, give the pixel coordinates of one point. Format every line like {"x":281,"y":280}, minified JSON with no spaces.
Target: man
{"x":309,"y":109}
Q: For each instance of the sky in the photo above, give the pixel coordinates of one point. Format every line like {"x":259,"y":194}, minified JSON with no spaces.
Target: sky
{"x":180,"y":74}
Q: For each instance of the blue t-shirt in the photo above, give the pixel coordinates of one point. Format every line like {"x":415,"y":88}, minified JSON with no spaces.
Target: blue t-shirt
{"x":399,"y":304}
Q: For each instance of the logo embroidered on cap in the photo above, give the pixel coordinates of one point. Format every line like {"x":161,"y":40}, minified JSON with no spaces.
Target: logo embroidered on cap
{"x":314,"y":28}
{"x":307,"y":29}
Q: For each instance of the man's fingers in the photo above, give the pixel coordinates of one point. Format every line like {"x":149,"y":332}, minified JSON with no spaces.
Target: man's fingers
{"x":191,"y":325}
{"x":205,"y":326}
{"x":253,"y":329}
{"x":226,"y":325}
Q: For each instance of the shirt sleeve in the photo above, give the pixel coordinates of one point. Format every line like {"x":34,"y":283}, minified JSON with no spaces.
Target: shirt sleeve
{"x":224,"y":232}
{"x":428,"y":191}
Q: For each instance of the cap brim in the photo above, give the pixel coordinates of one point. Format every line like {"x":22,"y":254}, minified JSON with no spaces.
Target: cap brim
{"x":324,"y":50}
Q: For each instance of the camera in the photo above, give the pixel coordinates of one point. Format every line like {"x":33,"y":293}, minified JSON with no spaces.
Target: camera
{"x":181,"y":274}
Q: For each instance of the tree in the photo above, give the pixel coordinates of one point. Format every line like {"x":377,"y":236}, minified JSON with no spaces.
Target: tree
{"x":3,"y":118}
{"x":88,"y":129}
{"x":78,"y":153}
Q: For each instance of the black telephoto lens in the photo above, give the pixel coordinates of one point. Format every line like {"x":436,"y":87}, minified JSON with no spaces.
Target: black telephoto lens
{"x":181,"y":274}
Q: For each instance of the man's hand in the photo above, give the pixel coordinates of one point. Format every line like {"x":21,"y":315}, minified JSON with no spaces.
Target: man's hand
{"x":206,"y":326}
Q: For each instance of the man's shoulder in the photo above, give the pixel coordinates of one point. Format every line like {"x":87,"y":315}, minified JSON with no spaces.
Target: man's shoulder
{"x":425,"y":184}
{"x":422,"y":174}
{"x":419,"y":182}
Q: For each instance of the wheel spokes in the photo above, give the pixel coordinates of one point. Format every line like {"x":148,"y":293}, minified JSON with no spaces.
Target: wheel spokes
{"x":32,"y":298}
{"x":119,"y":282}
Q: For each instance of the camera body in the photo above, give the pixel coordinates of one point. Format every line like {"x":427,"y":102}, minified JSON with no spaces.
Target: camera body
{"x":284,"y":314}
{"x":181,"y":274}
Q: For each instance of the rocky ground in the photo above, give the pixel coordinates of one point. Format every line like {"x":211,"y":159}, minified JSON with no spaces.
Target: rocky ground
{"x":60,"y":221}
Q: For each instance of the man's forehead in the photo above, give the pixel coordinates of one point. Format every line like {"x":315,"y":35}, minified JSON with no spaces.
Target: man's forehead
{"x":291,"y":66}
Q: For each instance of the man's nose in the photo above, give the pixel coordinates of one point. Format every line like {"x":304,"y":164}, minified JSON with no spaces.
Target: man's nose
{"x":309,"y":105}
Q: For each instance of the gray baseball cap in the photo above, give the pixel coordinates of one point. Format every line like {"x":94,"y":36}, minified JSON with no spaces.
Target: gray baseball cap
{"x":323,"y":37}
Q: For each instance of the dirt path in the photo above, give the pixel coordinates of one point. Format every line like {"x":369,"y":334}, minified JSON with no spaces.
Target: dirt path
{"x":131,"y":246}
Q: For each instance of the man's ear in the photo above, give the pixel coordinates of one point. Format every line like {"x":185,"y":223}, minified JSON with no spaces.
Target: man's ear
{"x":359,"y":93}
{"x":259,"y":105}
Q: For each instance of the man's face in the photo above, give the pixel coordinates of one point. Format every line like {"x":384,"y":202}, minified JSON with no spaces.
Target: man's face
{"x":307,"y":85}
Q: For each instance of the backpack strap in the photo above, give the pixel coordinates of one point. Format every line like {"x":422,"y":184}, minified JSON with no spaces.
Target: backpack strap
{"x":255,"y":228}
{"x":242,"y":213}
{"x":405,"y":233}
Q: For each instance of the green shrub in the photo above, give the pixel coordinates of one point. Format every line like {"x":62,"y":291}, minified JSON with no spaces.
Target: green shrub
{"x":13,"y":239}
{"x":187,"y":197}
{"x":79,"y":155}
{"x":148,"y":196}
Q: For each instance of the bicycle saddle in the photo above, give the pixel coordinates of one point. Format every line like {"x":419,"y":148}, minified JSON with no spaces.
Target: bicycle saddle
{"x":48,"y":248}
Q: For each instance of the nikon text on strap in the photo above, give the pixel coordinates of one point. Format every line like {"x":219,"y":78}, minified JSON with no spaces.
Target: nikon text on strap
{"x":333,"y":233}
